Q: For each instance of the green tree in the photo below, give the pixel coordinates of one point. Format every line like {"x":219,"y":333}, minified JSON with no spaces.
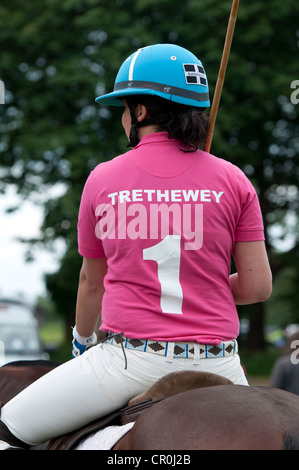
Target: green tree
{"x":57,"y":56}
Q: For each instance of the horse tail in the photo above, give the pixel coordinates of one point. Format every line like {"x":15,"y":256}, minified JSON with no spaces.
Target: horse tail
{"x":290,"y":442}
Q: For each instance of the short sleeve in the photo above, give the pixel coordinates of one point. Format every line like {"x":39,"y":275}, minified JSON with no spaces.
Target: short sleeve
{"x":250,"y":225}
{"x":89,"y":246}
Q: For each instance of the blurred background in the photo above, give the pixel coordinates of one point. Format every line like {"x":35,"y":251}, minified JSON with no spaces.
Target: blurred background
{"x":56,"y":57}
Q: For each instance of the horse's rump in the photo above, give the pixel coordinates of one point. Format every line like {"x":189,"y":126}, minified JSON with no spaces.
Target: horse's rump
{"x":219,"y":418}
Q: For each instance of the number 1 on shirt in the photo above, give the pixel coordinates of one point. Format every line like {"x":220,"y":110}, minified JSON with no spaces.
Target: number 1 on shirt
{"x":167,"y":254}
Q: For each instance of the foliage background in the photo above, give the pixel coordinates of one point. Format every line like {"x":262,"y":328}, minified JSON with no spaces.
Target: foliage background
{"x":57,"y":56}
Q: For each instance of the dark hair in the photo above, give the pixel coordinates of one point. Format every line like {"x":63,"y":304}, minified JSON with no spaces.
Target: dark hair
{"x":185,"y":123}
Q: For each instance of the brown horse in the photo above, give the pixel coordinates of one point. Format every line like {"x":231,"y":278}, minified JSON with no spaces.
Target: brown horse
{"x":219,"y":418}
{"x":210,"y":418}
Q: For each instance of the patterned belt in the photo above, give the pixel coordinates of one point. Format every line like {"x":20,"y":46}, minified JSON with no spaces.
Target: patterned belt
{"x":186,"y":350}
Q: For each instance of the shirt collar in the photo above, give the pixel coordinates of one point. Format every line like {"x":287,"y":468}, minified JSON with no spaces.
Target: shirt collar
{"x":153,"y":138}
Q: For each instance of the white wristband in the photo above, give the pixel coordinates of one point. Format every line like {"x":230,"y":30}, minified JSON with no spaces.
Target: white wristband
{"x":85,"y":340}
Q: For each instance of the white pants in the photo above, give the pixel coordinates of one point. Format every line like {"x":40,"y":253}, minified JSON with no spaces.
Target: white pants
{"x":94,"y":385}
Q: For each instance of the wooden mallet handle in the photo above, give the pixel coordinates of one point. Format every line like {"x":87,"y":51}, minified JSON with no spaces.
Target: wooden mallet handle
{"x":221,"y":74}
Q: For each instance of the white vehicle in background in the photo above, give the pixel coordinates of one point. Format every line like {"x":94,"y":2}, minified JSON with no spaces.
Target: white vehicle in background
{"x":19,"y":334}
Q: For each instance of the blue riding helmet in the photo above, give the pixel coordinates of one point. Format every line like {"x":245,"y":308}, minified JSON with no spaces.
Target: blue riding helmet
{"x":164,"y":70}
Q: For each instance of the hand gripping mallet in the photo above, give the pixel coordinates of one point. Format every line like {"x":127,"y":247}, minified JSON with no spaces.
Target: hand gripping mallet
{"x":221,"y":74}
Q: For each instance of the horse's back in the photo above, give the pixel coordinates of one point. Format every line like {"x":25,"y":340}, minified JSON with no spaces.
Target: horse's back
{"x":215,"y":418}
{"x":15,"y":376}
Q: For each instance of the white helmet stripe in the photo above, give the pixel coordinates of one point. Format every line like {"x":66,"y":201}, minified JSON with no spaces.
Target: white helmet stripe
{"x":133,"y":63}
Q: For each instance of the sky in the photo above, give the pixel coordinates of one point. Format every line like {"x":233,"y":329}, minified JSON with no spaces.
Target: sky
{"x":19,"y":279}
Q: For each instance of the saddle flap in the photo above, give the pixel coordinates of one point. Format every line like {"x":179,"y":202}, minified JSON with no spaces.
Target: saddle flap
{"x":70,"y":440}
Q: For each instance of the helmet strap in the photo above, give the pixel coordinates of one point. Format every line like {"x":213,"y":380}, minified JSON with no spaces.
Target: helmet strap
{"x":133,"y":138}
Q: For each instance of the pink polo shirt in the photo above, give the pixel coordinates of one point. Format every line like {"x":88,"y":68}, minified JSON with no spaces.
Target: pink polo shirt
{"x":167,"y":222}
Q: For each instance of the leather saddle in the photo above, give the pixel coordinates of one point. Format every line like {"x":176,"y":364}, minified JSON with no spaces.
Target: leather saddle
{"x":171,"y":384}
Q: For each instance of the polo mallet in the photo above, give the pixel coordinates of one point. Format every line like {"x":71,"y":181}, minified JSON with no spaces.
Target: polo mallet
{"x":221,"y":74}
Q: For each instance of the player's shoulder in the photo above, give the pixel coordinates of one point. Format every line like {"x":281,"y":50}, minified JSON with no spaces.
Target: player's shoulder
{"x":221,"y":164}
{"x":117,"y":163}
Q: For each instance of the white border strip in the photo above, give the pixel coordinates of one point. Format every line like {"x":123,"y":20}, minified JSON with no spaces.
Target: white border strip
{"x":133,"y":63}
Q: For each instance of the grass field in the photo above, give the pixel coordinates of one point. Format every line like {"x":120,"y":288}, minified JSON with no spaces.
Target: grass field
{"x":52,"y":333}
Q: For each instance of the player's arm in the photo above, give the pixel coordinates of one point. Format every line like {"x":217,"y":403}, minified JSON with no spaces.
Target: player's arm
{"x":253,"y":280}
{"x":90,"y":293}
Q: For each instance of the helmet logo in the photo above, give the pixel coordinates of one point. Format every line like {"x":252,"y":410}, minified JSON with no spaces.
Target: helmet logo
{"x":167,"y":89}
{"x":195,"y":75}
